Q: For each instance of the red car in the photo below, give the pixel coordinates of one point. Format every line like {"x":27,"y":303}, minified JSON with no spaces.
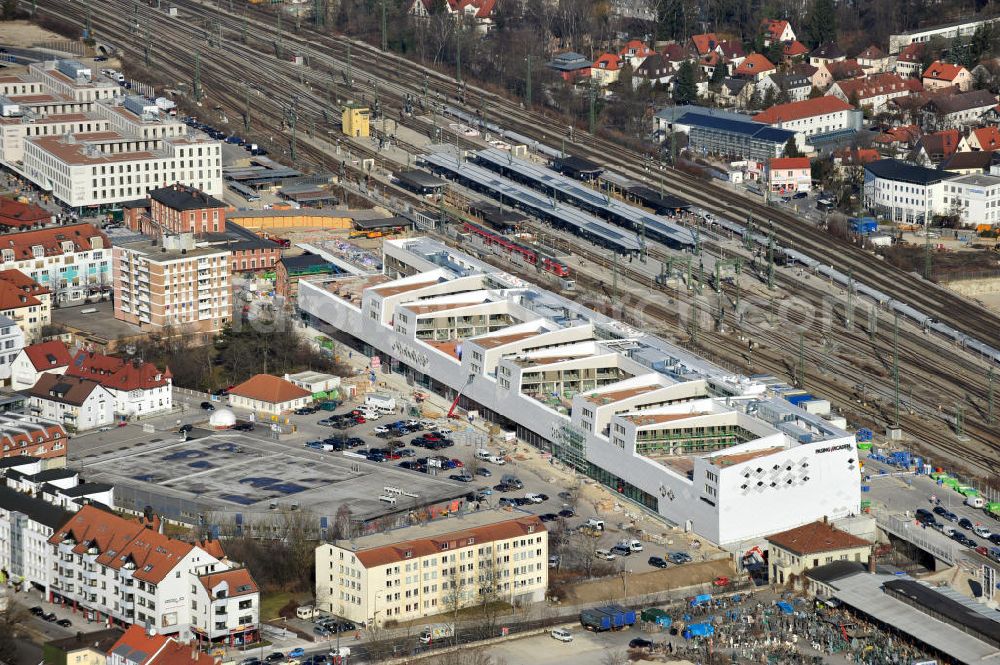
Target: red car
{"x":359,"y":420}
{"x":430,"y":436}
{"x":982,"y":550}
{"x":393,"y":455}
{"x":458,"y":462}
{"x":721,"y":581}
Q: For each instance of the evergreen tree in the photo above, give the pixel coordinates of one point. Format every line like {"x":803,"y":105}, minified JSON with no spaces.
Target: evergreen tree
{"x":718,"y":76}
{"x":685,"y":84}
{"x":670,"y":20}
{"x":792,"y":148}
{"x":822,"y":24}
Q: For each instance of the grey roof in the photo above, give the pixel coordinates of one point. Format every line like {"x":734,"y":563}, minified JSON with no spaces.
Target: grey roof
{"x":894,"y":169}
{"x":38,"y":510}
{"x":83,"y":489}
{"x":829,"y":51}
{"x":17,"y":460}
{"x":834,"y":571}
{"x":864,"y":592}
{"x":757,"y":130}
{"x":963,"y":101}
{"x":569,"y":61}
{"x":419,"y":178}
{"x":791,"y":81}
{"x":181,"y":197}
{"x":52,"y":474}
{"x":972,"y":159}
{"x":735,"y":86}
{"x":947,"y":609}
{"x":306,"y":261}
{"x":101,"y":640}
{"x":382,"y":223}
{"x":673,"y":113}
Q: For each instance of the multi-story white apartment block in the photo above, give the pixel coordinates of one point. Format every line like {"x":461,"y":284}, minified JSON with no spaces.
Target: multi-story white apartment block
{"x":716,"y":453}
{"x":173,"y":282}
{"x":226,"y":603}
{"x":127,"y":572}
{"x":11,"y":343}
{"x":72,"y":262}
{"x":434,"y":568}
{"x":26,"y":524}
{"x":818,"y":116}
{"x":77,"y":135}
{"x":947,"y":31}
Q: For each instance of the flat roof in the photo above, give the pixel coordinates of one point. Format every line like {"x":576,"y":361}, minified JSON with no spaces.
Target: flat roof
{"x":739,"y":458}
{"x":434,"y":528}
{"x":154,"y":250}
{"x":500,"y":340}
{"x":382,"y":223}
{"x":618,"y":395}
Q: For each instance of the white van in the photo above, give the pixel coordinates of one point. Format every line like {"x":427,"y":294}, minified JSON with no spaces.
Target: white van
{"x":484,"y":454}
{"x":499,"y":461}
{"x":594,"y":523}
{"x":306,"y":612}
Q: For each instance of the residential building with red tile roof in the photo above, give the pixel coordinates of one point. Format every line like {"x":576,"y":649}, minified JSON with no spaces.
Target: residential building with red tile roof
{"x":875,"y":91}
{"x":606,"y":69}
{"x":73,"y":262}
{"x":36,"y":437}
{"x":704,"y":43}
{"x":635,"y":51}
{"x":480,"y":12}
{"x":34,"y":360}
{"x":934,"y":148}
{"x":910,"y":61}
{"x":981,"y":138}
{"x":732,"y":52}
{"x":147,"y":577}
{"x":675,"y":53}
{"x":788,"y":175}
{"x":26,"y":302}
{"x":18,"y":216}
{"x":755,"y":67}
{"x":430,"y":548}
{"x":845,"y":69}
{"x":139,"y":388}
{"x":776,"y":30}
{"x":815,"y":544}
{"x":855,"y":158}
{"x":813,"y":117}
{"x":794,"y":49}
{"x":268,"y":394}
{"x":942,"y":74}
{"x":141,"y":646}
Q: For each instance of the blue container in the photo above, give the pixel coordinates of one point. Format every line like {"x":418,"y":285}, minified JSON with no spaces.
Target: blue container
{"x":798,"y":399}
{"x":785,"y":608}
{"x":698,"y":630}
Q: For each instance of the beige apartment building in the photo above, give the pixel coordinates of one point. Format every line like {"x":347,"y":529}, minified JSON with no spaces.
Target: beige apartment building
{"x":172,"y":282}
{"x":793,"y":552}
{"x":431,"y":568}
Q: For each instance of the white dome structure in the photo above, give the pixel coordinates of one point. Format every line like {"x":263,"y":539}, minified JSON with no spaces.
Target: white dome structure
{"x":222,"y":418}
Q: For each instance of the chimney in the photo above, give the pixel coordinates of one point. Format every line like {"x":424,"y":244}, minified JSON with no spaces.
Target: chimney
{"x":871,"y":563}
{"x":826,"y":520}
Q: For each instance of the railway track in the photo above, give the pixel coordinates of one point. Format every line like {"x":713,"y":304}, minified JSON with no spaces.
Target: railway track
{"x":315,"y":84}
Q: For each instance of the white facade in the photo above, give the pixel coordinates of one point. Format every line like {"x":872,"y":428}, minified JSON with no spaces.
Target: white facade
{"x":23,"y":373}
{"x":147,"y":578}
{"x":975,"y":198}
{"x":822,"y":123}
{"x":903,"y":201}
{"x":77,"y":139}
{"x":11,"y":343}
{"x":225,"y":603}
{"x":947,"y":32}
{"x":26,"y":523}
{"x":96,"y":410}
{"x":524,"y":357}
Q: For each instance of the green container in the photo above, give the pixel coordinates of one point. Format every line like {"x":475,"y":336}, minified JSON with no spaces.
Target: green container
{"x":952,"y":483}
{"x":965,"y":490}
{"x":865,"y":445}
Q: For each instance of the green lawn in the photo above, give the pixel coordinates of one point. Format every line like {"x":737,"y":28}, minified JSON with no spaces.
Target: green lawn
{"x":271,"y":603}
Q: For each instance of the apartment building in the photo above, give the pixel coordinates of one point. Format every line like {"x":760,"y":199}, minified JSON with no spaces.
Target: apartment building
{"x":796,"y":551}
{"x":79,"y":404}
{"x":81,"y":649}
{"x":11,"y":343}
{"x":22,"y":434}
{"x":71,"y":262}
{"x":220,"y":596}
{"x":813,"y":117}
{"x":904,"y":193}
{"x":128,"y":572}
{"x":874,"y":92}
{"x":26,"y":302}
{"x":434,"y":568}
{"x":723,"y":456}
{"x":173,"y":282}
{"x":60,"y":487}
{"x":138,"y":388}
{"x":26,"y":524}
{"x":179,"y":209}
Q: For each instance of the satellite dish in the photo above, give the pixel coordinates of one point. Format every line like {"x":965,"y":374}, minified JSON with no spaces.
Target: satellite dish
{"x":130,"y":349}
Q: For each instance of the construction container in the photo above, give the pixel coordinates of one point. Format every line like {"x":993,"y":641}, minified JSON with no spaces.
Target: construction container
{"x":819,"y":407}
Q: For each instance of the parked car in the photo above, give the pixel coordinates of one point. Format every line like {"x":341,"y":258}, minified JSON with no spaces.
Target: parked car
{"x":37,"y":611}
{"x":567,"y":513}
{"x":657,"y":562}
{"x":966,"y":523}
{"x":274,"y":657}
{"x":606,"y":555}
{"x":461,"y":478}
{"x":297,"y":652}
{"x":207,"y":406}
{"x":561,"y":634}
{"x":534,"y":498}
{"x":982,"y":532}
{"x":640,"y":643}
{"x":65,"y":623}
{"x":680,"y":557}
{"x":50,"y":617}
{"x":621,"y":550}
{"x":721,"y":580}
{"x":243,"y":427}
{"x":484,"y":472}
{"x":548,"y":517}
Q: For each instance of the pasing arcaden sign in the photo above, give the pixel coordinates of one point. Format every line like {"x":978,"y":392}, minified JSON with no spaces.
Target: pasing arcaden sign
{"x":830,"y":449}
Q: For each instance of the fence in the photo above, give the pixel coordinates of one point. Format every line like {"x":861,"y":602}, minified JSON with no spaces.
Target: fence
{"x":907,"y":530}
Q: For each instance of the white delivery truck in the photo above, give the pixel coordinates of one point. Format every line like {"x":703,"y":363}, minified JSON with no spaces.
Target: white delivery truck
{"x":383,"y":403}
{"x":436,"y":632}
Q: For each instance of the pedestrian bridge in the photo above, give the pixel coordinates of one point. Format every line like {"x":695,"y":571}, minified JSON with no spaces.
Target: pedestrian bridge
{"x":906,"y":528}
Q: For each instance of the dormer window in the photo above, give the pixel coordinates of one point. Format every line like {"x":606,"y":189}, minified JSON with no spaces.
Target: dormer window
{"x":408,"y":554}
{"x":444,"y":546}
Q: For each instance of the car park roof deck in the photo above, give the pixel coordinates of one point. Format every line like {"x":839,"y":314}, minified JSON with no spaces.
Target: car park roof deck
{"x":228,"y":473}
